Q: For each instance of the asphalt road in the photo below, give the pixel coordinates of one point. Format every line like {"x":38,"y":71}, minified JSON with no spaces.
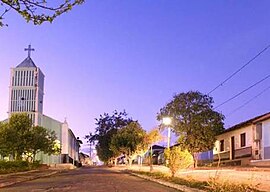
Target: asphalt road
{"x":97,"y":179}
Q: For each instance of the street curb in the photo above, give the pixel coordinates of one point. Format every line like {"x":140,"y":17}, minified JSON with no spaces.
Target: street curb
{"x":168,"y":184}
{"x":18,"y":173}
{"x":27,"y":179}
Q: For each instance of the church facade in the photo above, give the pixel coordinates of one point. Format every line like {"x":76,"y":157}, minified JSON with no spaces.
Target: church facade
{"x":26,"y":92}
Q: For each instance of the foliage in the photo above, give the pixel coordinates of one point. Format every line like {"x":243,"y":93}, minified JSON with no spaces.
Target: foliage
{"x":41,"y":139}
{"x":194,"y":120}
{"x":5,"y":142}
{"x":37,"y":11}
{"x":176,"y":180}
{"x":215,"y":185}
{"x":19,"y":138}
{"x":177,"y":159}
{"x":212,"y":185}
{"x":107,"y":126}
{"x":128,"y":140}
{"x":17,"y":166}
{"x":152,"y":137}
{"x":16,"y":135}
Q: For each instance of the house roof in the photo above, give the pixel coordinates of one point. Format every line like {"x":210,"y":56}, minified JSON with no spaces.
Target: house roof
{"x":28,"y":62}
{"x":157,"y":147}
{"x":248,"y":122}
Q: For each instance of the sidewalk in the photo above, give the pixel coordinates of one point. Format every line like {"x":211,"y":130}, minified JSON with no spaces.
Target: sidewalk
{"x":14,"y":178}
{"x":260,"y":176}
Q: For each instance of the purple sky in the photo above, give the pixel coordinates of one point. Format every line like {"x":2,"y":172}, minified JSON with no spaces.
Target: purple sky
{"x":135,"y":55}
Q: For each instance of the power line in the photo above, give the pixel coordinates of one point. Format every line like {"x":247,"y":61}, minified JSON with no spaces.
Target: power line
{"x":250,"y":100}
{"x":240,"y":93}
{"x":237,"y":71}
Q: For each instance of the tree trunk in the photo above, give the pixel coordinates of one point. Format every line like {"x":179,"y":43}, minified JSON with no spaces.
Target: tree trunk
{"x":151,"y":160}
{"x":195,"y":159}
{"x":34,"y":156}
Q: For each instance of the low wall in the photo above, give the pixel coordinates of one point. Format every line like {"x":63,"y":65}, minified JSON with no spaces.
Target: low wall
{"x":62,"y":166}
{"x":260,"y":163}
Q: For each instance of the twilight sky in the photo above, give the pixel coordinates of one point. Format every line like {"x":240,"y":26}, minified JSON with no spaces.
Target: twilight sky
{"x":135,"y":55}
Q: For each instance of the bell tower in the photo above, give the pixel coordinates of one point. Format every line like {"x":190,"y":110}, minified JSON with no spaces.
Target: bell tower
{"x":26,"y":89}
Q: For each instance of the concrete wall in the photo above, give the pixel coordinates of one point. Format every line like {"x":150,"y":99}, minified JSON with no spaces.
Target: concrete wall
{"x":236,"y":133}
{"x":55,"y":126}
{"x":70,"y":146}
{"x":266,"y":139}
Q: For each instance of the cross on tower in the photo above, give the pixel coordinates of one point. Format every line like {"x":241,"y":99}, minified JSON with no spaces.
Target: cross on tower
{"x":29,"y":49}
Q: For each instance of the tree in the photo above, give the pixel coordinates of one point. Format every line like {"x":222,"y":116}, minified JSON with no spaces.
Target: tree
{"x":17,"y":133}
{"x":128,"y":140}
{"x":18,"y":137}
{"x":41,"y":139}
{"x":107,"y":126}
{"x":91,"y":140}
{"x":152,"y":137}
{"x":177,"y":159}
{"x":37,"y":11}
{"x":194,"y":120}
{"x":6,"y":145}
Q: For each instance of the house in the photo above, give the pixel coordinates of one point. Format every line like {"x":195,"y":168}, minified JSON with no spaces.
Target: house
{"x":157,"y":154}
{"x":85,"y":159}
{"x":247,"y":143}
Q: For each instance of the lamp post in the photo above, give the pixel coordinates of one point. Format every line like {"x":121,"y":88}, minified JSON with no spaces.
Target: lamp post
{"x":167,"y":121}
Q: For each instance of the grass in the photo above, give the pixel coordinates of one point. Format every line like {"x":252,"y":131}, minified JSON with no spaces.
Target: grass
{"x":214,"y":184}
{"x":176,"y":180}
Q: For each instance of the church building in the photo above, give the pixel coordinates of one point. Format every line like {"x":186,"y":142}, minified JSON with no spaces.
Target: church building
{"x":26,"y":92}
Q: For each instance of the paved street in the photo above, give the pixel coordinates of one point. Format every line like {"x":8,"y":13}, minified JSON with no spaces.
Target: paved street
{"x":89,"y":179}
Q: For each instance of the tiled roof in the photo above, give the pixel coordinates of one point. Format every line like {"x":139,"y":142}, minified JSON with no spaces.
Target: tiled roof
{"x":249,"y":122}
{"x":28,"y":62}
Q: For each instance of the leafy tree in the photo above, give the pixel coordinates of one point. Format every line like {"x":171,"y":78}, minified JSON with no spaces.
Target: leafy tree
{"x":37,"y":11}
{"x":41,"y":139}
{"x":6,"y":145}
{"x":194,"y":120}
{"x":151,"y":138}
{"x":91,"y":140}
{"x":177,"y":159}
{"x":18,"y":137}
{"x":107,"y":126}
{"x":19,"y":127}
{"x":128,"y":140}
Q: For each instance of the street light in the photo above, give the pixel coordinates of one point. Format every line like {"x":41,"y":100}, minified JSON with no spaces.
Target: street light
{"x":167,"y":121}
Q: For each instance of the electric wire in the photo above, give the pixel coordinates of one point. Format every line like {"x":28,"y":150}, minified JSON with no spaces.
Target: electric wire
{"x":247,"y":102}
{"x":240,"y":93}
{"x":237,"y":71}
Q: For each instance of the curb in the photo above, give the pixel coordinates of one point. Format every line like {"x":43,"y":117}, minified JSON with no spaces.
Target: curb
{"x":17,"y":173}
{"x":168,"y":184}
{"x":2,"y":185}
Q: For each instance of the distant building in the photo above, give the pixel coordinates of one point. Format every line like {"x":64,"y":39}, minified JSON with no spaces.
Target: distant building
{"x":26,"y":92}
{"x":85,"y":159}
{"x":247,"y":143}
{"x":157,"y":155}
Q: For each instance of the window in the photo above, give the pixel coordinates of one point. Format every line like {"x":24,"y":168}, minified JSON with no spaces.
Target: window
{"x":243,"y":139}
{"x":221,"y":147}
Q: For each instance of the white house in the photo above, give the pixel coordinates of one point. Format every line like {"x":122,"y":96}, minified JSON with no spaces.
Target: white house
{"x":247,"y":143}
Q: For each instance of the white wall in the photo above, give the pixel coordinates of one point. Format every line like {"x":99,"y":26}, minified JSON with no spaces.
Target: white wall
{"x":266,"y":133}
{"x":65,"y":141}
{"x":236,"y":133}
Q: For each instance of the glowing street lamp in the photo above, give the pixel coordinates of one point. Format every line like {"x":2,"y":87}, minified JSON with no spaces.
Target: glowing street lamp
{"x":167,"y":121}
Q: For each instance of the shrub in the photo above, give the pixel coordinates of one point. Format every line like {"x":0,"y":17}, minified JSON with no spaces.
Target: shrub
{"x":177,"y":159}
{"x":17,"y":166}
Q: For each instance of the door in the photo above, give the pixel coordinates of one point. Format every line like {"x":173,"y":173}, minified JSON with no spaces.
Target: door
{"x":232,"y":148}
